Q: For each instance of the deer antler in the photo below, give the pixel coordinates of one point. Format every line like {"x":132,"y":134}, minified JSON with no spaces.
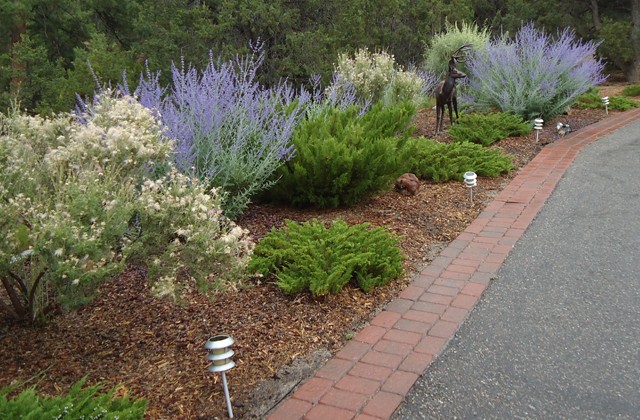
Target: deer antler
{"x":460,"y":54}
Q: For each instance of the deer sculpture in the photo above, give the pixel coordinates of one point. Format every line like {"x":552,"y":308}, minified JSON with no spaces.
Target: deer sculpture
{"x":446,"y":89}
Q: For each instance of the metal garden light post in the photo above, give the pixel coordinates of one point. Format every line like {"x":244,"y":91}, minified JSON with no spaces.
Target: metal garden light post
{"x":605,"y":101}
{"x":220,"y":354}
{"x":537,"y":125}
{"x":470,"y":180}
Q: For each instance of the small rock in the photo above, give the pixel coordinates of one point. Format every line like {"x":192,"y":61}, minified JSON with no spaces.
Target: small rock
{"x":408,"y":184}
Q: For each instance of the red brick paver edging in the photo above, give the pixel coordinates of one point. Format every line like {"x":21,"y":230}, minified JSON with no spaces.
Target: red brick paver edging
{"x":370,"y":376}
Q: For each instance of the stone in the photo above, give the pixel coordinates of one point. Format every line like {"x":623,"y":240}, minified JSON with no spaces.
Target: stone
{"x":408,"y":184}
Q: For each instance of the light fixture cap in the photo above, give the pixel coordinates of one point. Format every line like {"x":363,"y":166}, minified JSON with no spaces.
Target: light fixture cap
{"x":219,"y":341}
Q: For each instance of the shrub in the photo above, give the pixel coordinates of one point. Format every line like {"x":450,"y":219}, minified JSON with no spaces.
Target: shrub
{"x":308,"y":256}
{"x":633,"y":90}
{"x":442,"y":162}
{"x":489,"y":128}
{"x":66,"y":193}
{"x":342,"y":156}
{"x":620,"y":103}
{"x":77,"y":403}
{"x":376,"y":77}
{"x":444,"y":44}
{"x":77,"y":201}
{"x":185,"y":235}
{"x":593,"y":100}
{"x":533,"y":75}
{"x":231,"y":132}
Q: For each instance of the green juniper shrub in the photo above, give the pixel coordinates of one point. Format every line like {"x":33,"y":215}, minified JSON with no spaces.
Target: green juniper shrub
{"x":311,"y":257}
{"x":77,"y":403}
{"x":442,"y":162}
{"x":343,"y":157}
{"x":590,"y":99}
{"x":633,"y":90}
{"x":621,"y":103}
{"x":593,"y":100}
{"x":486,"y":129}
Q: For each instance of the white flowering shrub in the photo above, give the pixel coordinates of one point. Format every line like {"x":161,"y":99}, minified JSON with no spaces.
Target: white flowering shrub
{"x":186,"y":238}
{"x":114,"y":134}
{"x":69,"y":192}
{"x":376,"y":77}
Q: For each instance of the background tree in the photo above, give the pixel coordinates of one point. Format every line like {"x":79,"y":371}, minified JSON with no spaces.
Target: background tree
{"x":43,"y":59}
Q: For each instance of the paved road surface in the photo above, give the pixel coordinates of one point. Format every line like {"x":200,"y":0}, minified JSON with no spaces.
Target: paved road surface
{"x":557,"y":334}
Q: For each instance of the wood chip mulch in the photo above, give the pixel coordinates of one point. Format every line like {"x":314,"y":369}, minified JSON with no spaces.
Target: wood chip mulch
{"x":154,"y":349}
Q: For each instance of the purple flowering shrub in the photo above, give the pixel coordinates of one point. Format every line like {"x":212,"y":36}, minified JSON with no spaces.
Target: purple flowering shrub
{"x":533,"y":74}
{"x":229,"y":130}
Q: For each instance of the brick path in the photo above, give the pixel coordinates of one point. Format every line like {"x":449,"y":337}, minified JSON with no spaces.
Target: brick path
{"x":370,"y":376}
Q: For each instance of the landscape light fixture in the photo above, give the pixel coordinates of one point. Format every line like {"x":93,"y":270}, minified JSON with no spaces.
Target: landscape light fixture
{"x":220,"y":354}
{"x":470,"y":180}
{"x":537,"y":125}
{"x":605,"y":101}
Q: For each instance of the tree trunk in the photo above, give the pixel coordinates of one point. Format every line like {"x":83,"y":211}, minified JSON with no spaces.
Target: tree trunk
{"x":595,"y":15}
{"x":18,"y":68}
{"x":633,"y":71}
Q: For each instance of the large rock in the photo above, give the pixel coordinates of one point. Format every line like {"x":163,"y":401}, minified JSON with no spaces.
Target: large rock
{"x":408,"y":184}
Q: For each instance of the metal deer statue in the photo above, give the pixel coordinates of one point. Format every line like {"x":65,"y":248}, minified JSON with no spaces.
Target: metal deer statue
{"x":446,"y":90}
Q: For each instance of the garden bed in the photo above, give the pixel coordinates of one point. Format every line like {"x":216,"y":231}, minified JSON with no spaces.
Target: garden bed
{"x":154,"y":349}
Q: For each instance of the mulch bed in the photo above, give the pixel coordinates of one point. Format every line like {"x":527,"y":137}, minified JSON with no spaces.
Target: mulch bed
{"x":154,"y":349}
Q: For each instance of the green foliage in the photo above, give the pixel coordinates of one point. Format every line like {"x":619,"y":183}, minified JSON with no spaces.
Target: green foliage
{"x":620,"y":103}
{"x":633,"y":90}
{"x":593,"y":100}
{"x":454,"y":36}
{"x":442,"y":162}
{"x":78,"y":403}
{"x":343,"y":157}
{"x":308,"y":256}
{"x":618,"y":46}
{"x":486,"y":129}
{"x":302,"y":38}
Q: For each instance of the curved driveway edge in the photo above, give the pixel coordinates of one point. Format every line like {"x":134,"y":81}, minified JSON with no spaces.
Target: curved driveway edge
{"x":371,"y":375}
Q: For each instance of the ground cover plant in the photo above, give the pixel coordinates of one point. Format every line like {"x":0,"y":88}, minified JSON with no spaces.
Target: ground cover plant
{"x":79,"y":403}
{"x":311,"y":257}
{"x":486,"y":129}
{"x":442,"y":162}
{"x":534,"y":74}
{"x":343,"y":156}
{"x":593,"y":99}
{"x":633,"y":90}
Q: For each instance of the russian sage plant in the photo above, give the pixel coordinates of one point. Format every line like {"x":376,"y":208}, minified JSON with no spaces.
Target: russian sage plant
{"x":230,"y":131}
{"x":533,"y":74}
